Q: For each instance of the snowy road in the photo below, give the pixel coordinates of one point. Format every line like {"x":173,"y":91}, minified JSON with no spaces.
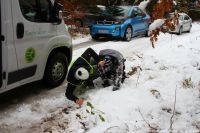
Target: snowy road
{"x":146,"y":96}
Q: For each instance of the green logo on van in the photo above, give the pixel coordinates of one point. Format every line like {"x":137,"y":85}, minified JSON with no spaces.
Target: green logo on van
{"x":30,"y":55}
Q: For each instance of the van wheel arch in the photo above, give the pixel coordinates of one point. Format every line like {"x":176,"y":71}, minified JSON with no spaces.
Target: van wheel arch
{"x":59,"y":57}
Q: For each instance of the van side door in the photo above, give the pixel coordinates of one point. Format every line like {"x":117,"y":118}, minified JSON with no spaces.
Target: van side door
{"x":8,"y":51}
{"x":33,"y":32}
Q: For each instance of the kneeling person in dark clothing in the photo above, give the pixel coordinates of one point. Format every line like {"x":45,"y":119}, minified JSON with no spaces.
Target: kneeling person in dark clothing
{"x":109,"y":65}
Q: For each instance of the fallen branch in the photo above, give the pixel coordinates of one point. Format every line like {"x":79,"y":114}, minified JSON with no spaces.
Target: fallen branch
{"x":154,"y":128}
{"x":173,"y":113}
{"x":140,"y":69}
{"x":110,"y":128}
{"x":139,"y":56}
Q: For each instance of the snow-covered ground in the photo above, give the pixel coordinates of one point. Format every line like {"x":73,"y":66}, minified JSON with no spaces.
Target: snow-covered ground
{"x":163,"y":95}
{"x":78,"y":40}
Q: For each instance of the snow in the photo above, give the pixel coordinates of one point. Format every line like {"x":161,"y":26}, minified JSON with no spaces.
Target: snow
{"x":78,"y":40}
{"x":143,"y":5}
{"x":156,"y":24}
{"x":101,"y":7}
{"x":149,"y":95}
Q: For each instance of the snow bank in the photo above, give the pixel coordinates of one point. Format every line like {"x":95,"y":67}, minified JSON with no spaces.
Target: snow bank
{"x":156,"y":24}
{"x":78,"y":40}
{"x":143,"y":5}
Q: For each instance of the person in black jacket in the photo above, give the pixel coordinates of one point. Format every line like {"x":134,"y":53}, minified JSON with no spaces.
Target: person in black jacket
{"x":109,"y":65}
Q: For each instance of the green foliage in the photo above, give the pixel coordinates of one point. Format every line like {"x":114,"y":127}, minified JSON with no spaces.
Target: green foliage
{"x":113,"y":11}
{"x":94,"y":111}
{"x":101,"y":117}
{"x":87,"y":111}
{"x":90,"y":105}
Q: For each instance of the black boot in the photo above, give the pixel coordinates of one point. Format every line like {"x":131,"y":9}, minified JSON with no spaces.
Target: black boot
{"x":106,"y":83}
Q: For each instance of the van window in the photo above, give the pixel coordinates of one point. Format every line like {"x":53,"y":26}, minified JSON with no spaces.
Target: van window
{"x":45,"y":7}
{"x":36,"y":10}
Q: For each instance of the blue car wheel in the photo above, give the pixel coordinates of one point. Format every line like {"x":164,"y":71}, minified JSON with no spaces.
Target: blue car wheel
{"x":128,"y":33}
{"x":95,"y":37}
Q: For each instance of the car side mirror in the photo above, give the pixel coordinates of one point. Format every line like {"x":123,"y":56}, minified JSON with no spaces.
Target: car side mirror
{"x":57,"y":13}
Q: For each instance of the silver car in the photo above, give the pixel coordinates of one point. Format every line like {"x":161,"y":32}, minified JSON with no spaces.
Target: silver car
{"x":185,"y":24}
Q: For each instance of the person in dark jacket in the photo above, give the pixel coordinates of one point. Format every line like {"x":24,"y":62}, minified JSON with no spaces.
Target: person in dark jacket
{"x":109,"y":65}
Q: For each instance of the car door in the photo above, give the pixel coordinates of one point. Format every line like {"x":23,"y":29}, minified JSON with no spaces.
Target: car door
{"x":186,"y":23}
{"x":32,"y":32}
{"x":135,"y":21}
{"x":143,"y":20}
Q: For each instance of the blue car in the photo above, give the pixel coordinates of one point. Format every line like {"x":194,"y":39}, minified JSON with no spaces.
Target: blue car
{"x":125,"y":23}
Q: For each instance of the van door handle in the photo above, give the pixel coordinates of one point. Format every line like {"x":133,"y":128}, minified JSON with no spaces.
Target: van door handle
{"x":20,"y":30}
{"x":2,"y":38}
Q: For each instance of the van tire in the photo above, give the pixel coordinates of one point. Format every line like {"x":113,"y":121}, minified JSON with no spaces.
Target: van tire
{"x":56,"y":70}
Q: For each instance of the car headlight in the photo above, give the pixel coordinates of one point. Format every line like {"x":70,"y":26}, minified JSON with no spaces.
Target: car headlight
{"x":121,"y":21}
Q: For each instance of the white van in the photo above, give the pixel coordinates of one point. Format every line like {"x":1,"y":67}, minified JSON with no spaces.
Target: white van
{"x":34,"y":43}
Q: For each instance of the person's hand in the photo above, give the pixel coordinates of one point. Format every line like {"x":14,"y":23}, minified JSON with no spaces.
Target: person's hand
{"x":101,"y":63}
{"x":79,"y":101}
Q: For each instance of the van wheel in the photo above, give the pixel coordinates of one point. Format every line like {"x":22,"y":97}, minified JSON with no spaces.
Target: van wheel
{"x":56,"y":70}
{"x":128,"y":34}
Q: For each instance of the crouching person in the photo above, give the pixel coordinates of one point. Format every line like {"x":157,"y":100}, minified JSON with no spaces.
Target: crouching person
{"x":109,"y":65}
{"x":81,"y":70}
{"x":111,"y":68}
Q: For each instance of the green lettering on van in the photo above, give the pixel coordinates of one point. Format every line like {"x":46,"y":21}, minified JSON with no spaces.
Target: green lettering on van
{"x":30,"y":55}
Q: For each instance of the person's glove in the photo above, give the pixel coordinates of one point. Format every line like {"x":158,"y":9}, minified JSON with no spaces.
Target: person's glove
{"x":79,"y":101}
{"x":101,"y":70}
{"x":101,"y":63}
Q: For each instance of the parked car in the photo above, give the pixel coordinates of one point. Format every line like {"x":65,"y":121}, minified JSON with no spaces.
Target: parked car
{"x":185,"y":24}
{"x":121,"y":22}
